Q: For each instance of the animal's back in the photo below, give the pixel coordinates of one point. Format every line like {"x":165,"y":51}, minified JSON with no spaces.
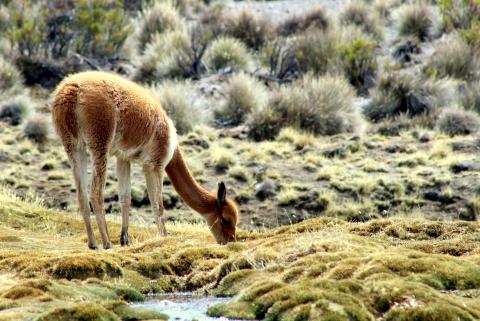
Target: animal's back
{"x":104,"y":107}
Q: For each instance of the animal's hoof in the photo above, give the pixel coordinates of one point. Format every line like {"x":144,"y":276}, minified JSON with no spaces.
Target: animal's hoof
{"x":107,"y":246}
{"x":92,"y":246}
{"x":124,"y":239}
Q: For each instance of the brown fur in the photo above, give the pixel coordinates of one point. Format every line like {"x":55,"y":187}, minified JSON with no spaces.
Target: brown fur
{"x":106,"y":114}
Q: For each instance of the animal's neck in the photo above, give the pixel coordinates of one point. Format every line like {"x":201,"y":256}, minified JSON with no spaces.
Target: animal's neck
{"x":187,"y":187}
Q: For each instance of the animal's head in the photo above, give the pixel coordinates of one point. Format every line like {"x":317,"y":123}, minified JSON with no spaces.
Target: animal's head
{"x":223,"y":223}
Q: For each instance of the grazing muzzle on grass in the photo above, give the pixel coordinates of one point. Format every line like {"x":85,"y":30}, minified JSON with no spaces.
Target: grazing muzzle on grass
{"x":223,"y":222}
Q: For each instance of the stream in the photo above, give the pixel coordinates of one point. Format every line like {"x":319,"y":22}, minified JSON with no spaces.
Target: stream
{"x":183,"y":306}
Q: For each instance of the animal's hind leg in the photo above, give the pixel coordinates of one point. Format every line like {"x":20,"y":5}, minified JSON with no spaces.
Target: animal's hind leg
{"x":124,"y":195}
{"x":96,"y":195}
{"x":79,"y":159}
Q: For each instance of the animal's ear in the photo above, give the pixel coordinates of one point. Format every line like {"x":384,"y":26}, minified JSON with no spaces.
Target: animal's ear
{"x":221,"y":194}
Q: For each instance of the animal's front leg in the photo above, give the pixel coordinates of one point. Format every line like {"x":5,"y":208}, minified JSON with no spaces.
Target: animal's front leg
{"x":153,"y":193}
{"x":125,"y":196}
{"x":160,"y":219}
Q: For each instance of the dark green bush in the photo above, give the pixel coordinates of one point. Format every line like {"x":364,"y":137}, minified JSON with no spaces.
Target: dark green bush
{"x":459,"y":14}
{"x":358,"y":63}
{"x":101,"y":27}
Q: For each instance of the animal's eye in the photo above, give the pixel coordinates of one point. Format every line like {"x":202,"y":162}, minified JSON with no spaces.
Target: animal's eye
{"x":225,"y":222}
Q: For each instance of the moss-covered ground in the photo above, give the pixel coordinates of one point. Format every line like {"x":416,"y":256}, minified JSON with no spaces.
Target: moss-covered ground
{"x":320,"y":269}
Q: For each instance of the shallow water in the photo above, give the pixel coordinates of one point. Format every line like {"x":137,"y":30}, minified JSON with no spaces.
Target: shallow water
{"x":183,"y":306}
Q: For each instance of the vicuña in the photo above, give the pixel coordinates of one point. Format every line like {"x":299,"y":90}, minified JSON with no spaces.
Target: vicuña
{"x":103,"y":115}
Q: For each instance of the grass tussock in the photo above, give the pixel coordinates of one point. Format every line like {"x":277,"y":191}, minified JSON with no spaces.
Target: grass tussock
{"x":314,"y":18}
{"x":11,"y":80}
{"x":458,"y":122}
{"x":37,"y":129}
{"x":244,"y":95}
{"x":400,"y":92}
{"x":228,"y":52}
{"x":14,"y":110}
{"x":417,"y":19}
{"x":160,"y":17}
{"x":453,"y":57}
{"x":320,"y":105}
{"x":251,"y":29}
{"x":177,"y":98}
{"x":360,"y":13}
{"x":316,"y":50}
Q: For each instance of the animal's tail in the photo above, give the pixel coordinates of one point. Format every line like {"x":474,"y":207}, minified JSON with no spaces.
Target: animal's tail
{"x":64,"y":102}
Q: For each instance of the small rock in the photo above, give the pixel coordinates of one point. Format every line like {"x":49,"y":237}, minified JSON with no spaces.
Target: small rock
{"x":436,"y":196}
{"x":395,"y":148}
{"x":335,"y":152}
{"x":464,"y":166}
{"x":265,"y":189}
{"x":425,"y":138}
{"x":5,"y":157}
{"x":370,"y":145}
{"x":197,"y":141}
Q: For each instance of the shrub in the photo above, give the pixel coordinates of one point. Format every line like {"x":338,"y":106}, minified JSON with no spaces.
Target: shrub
{"x":405,"y":93}
{"x":159,"y":55}
{"x":470,"y":96}
{"x":222,"y":158}
{"x":26,"y":27}
{"x":214,"y":19}
{"x":15,"y":109}
{"x":358,"y":63}
{"x":265,"y":123}
{"x":162,"y":16}
{"x":455,"y":58}
{"x":316,"y":50}
{"x":188,"y":60}
{"x":177,"y":100}
{"x":314,"y":18}
{"x":244,"y":95}
{"x":459,"y":14}
{"x":252,"y":30}
{"x":79,"y":312}
{"x":36,"y":129}
{"x":280,"y":58}
{"x":458,"y":122}
{"x":360,"y":14}
{"x":228,"y":52}
{"x":101,"y":27}
{"x":11,"y":80}
{"x":323,"y":106}
{"x":417,"y":19}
